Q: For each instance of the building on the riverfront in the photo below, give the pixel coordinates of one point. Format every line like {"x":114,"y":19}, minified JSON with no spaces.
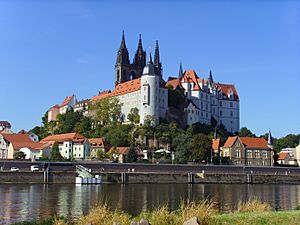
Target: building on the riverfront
{"x":289,"y":156}
{"x":71,"y":145}
{"x":248,"y":151}
{"x":98,"y":144}
{"x":141,"y":85}
{"x":11,"y":143}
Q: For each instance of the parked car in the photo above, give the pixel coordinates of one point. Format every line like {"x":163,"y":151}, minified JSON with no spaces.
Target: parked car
{"x":34,"y":168}
{"x":14,"y":169}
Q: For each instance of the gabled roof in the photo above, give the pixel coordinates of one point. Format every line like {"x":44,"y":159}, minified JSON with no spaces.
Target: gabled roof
{"x":282,"y":155}
{"x":120,"y":150}
{"x":175,"y":83}
{"x":226,"y":89}
{"x":216,"y":144}
{"x":248,"y":142}
{"x":74,"y":137}
{"x":19,"y":141}
{"x":99,"y":142}
{"x":67,"y":100}
{"x":190,"y":76}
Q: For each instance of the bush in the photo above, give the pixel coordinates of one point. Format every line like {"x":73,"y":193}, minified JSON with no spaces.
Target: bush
{"x":253,"y":205}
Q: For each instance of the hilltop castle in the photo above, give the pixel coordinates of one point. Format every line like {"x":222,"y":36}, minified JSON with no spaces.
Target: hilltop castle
{"x":140,"y":85}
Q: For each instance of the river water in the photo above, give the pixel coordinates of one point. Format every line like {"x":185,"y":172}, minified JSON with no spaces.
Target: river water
{"x":20,"y":202}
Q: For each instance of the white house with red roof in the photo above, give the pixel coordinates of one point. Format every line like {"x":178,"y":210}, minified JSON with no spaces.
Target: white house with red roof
{"x":71,"y":145}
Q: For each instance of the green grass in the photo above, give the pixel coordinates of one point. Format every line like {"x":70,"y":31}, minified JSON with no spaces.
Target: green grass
{"x":259,"y":218}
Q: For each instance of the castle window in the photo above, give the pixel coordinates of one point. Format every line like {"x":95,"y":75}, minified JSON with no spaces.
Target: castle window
{"x":206,"y":115}
{"x":220,"y":103}
{"x":231,"y":104}
{"x":231,"y":113}
{"x":221,"y":113}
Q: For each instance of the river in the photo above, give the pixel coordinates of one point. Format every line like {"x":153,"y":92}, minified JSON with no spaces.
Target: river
{"x":21,"y":202}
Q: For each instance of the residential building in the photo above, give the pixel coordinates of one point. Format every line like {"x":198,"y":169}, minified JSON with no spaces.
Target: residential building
{"x":4,"y":125}
{"x":22,"y":142}
{"x":248,"y":151}
{"x":71,"y":145}
{"x":285,"y":158}
{"x":98,"y":144}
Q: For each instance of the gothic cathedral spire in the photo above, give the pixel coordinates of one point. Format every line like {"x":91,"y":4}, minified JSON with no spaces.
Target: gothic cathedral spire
{"x":180,"y":73}
{"x":157,"y":63}
{"x":139,"y":59}
{"x":122,"y":63}
{"x":210,"y":78}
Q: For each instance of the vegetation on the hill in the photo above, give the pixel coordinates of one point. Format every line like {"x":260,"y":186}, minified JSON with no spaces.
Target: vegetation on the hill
{"x":55,"y":154}
{"x":193,"y":143}
{"x":19,"y":155}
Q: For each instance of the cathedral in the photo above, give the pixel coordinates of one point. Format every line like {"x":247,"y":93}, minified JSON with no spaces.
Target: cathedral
{"x":140,"y":85}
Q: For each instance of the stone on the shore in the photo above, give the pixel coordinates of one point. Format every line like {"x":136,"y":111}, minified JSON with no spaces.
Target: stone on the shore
{"x":144,"y":222}
{"x":192,"y":221}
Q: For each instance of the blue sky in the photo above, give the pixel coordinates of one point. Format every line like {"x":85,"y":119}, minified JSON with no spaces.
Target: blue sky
{"x":51,"y":49}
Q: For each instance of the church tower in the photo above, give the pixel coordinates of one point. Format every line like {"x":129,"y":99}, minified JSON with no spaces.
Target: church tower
{"x":139,"y":61}
{"x":122,"y":67}
{"x":157,"y":63}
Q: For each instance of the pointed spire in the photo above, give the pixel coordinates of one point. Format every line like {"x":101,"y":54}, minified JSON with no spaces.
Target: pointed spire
{"x":210,"y":78}
{"x":150,"y":59}
{"x":156,"y":54}
{"x":215,"y":133}
{"x":180,"y":74}
{"x":270,"y":138}
{"x":123,"y":44}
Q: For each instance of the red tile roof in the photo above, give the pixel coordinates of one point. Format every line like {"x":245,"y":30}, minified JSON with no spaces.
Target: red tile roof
{"x":127,"y":87}
{"x":67,"y":100}
{"x":19,"y":141}
{"x":99,"y":142}
{"x":248,"y":142}
{"x":282,"y":155}
{"x":101,"y":95}
{"x":75,"y":137}
{"x":229,"y":142}
{"x":175,"y":83}
{"x":252,"y":142}
{"x":120,"y":150}
{"x":216,"y":144}
{"x":227,"y":88}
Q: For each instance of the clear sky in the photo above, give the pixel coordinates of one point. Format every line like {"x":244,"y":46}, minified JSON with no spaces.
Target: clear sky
{"x":51,"y":49}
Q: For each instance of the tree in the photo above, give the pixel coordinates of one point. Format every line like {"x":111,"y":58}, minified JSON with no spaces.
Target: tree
{"x":182,"y":147}
{"x":55,"y":154}
{"x":134,"y":116}
{"x":119,"y":135}
{"x":84,"y":126}
{"x":66,"y":122}
{"x":131,"y":155}
{"x":107,"y":111}
{"x":100,"y":154}
{"x":19,"y":155}
{"x":201,"y":148}
{"x":245,"y":132}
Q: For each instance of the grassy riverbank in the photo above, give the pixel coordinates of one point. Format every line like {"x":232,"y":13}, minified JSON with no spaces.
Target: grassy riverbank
{"x":252,"y":212}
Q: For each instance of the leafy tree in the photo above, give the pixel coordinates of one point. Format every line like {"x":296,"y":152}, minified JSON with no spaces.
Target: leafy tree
{"x":134,"y":116}
{"x":182,"y":147}
{"x":131,"y":155}
{"x":201,"y":148}
{"x":55,"y":154}
{"x":245,"y":132}
{"x":19,"y":155}
{"x":100,"y":154}
{"x":84,"y":126}
{"x":202,"y":128}
{"x":119,"y":135}
{"x":107,"y":111}
{"x":66,"y":122}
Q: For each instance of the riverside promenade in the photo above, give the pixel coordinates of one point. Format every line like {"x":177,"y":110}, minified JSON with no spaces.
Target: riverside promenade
{"x":150,"y":173}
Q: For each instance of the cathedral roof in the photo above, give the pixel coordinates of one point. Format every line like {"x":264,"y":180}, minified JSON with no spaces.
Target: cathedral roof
{"x":101,"y":95}
{"x":127,"y":87}
{"x":227,"y":88}
{"x":175,"y":83}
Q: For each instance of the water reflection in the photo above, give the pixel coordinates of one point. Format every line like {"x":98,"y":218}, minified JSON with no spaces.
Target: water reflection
{"x":26,"y":202}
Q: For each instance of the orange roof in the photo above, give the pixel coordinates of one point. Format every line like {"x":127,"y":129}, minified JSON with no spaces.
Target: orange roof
{"x":22,"y":140}
{"x":227,"y":88}
{"x":75,"y":137}
{"x":190,"y":76}
{"x":252,"y":142}
{"x":216,"y":144}
{"x":67,"y":100}
{"x":248,"y":142}
{"x":174,"y":83}
{"x":101,"y":95}
{"x":229,"y":142}
{"x":127,"y":87}
{"x":120,"y":150}
{"x":282,"y":155}
{"x":99,"y":142}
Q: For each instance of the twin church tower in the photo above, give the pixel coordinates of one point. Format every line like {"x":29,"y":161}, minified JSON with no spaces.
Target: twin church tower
{"x":125,"y":71}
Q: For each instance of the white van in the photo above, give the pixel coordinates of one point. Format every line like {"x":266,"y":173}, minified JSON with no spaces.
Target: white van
{"x":34,"y":168}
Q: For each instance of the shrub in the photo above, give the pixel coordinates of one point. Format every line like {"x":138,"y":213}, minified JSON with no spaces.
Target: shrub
{"x":253,"y":205}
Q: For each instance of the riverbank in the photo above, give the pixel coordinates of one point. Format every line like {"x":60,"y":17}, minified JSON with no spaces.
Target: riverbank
{"x":252,"y":212}
{"x":68,"y":177}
